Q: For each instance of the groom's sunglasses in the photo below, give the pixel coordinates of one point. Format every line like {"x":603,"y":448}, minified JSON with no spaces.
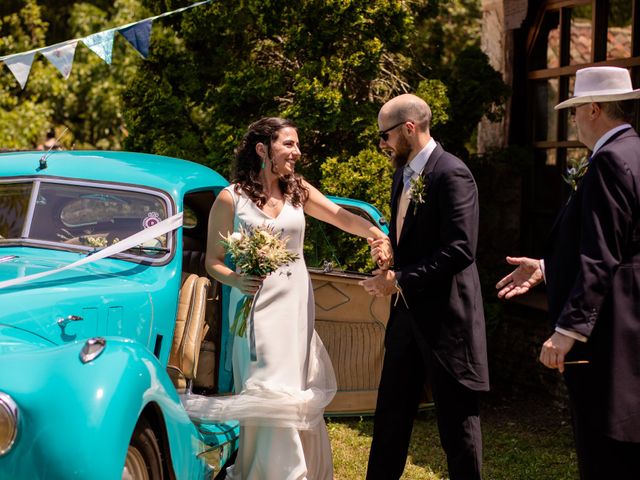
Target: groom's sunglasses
{"x":384,"y":134}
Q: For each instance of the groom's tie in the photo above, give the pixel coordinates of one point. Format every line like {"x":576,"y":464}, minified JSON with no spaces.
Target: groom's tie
{"x":403,"y":202}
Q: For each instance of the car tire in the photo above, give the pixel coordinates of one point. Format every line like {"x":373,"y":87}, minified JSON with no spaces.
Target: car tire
{"x":144,"y":460}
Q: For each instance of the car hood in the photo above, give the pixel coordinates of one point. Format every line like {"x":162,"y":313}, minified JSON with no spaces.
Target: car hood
{"x":13,"y":340}
{"x":93,"y":299}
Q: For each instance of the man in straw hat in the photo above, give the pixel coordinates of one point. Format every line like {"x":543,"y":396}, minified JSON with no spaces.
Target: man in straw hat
{"x":592,"y":271}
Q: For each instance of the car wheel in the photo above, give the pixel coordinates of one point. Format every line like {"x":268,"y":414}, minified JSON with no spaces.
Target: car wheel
{"x":143,"y":461}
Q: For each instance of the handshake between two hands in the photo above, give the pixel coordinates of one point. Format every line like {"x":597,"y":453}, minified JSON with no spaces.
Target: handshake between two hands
{"x":383,"y":282}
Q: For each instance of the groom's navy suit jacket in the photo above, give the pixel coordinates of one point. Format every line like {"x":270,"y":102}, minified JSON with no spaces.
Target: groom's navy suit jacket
{"x":592,"y":269}
{"x":435,"y":266}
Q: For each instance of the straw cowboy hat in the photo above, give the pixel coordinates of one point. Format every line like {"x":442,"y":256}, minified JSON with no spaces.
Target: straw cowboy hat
{"x":601,"y":84}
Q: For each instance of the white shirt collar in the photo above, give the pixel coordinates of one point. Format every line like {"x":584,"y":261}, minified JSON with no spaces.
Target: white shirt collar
{"x":418,"y":162}
{"x":603,"y":139}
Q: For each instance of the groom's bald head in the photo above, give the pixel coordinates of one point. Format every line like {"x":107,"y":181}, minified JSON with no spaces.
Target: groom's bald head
{"x":407,"y":107}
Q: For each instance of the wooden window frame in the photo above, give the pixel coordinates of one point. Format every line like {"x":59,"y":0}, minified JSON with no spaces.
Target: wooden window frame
{"x":564,"y":72}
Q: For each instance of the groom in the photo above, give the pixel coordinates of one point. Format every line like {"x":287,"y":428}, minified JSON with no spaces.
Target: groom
{"x":436,"y":331}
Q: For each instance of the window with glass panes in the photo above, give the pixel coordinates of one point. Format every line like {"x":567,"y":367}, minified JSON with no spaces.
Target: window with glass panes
{"x":565,"y":36}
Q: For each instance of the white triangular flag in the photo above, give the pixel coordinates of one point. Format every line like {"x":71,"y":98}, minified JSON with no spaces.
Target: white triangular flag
{"x":101,"y":44}
{"x":61,"y":57}
{"x":20,"y":66}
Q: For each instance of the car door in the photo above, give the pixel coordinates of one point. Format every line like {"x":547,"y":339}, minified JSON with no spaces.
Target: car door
{"x":350,"y":322}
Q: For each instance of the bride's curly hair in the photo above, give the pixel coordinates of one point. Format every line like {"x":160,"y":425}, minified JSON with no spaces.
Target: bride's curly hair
{"x":247,"y":165}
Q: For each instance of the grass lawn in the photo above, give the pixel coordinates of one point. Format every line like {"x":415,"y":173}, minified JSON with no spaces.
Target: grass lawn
{"x":524,"y":439}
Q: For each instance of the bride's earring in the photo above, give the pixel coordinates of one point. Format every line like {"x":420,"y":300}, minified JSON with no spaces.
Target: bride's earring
{"x":261,"y":153}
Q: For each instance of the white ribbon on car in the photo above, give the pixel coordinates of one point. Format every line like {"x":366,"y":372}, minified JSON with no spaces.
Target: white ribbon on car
{"x":165,"y":226}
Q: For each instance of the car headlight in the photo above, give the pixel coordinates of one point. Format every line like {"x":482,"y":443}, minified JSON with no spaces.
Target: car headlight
{"x":8,"y":423}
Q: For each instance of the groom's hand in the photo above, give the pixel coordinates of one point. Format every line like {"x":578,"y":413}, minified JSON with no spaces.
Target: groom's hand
{"x":383,"y":284}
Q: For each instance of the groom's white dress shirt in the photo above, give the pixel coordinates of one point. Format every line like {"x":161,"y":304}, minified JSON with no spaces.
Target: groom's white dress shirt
{"x":411,"y":171}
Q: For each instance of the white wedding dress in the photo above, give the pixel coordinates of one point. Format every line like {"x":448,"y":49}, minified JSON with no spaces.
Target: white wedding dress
{"x":281,"y":395}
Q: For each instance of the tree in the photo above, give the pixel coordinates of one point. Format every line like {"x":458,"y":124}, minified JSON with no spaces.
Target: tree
{"x":93,"y":100}
{"x":326,"y":64}
{"x":316,"y":62}
{"x":25,"y":116}
{"x":89,"y":103}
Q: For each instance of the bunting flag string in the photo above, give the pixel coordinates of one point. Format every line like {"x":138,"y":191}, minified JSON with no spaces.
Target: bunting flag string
{"x":101,"y":44}
{"x":61,"y":55}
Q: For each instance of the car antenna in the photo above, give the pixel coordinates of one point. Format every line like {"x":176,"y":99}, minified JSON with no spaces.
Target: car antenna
{"x":43,"y":158}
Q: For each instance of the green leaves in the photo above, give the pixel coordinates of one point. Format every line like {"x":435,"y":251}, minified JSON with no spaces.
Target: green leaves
{"x":365,"y":176}
{"x":89,"y":103}
{"x":316,"y":63}
{"x":329,"y":65}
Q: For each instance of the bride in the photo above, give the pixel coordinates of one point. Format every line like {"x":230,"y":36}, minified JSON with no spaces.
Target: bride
{"x":280,"y":396}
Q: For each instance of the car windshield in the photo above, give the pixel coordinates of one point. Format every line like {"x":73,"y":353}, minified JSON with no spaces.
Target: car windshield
{"x":80,"y":216}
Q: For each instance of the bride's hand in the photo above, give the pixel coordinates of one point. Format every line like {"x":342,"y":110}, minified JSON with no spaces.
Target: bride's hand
{"x":381,"y":252}
{"x":248,"y":284}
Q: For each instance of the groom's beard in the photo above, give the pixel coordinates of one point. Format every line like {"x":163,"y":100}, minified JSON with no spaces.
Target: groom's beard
{"x":401,"y":154}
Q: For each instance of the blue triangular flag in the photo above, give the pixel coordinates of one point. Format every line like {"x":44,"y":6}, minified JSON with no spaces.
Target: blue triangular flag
{"x":138,"y":35}
{"x":101,"y":44}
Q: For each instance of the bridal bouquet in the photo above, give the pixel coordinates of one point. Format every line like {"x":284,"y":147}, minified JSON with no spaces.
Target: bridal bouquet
{"x":256,"y":251}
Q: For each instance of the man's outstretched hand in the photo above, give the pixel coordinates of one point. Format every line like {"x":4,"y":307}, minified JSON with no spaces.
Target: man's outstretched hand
{"x":527,"y":275}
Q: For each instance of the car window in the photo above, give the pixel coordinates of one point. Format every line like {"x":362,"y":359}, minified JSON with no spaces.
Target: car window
{"x":190,"y":218}
{"x":14,"y":202}
{"x":329,"y":248}
{"x":83,"y":216}
{"x":93,"y":216}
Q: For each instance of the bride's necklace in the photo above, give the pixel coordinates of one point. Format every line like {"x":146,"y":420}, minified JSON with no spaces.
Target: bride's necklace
{"x":273,"y":202}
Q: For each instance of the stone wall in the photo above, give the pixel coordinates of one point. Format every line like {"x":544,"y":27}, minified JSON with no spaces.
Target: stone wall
{"x":492,"y":135}
{"x":499,"y":19}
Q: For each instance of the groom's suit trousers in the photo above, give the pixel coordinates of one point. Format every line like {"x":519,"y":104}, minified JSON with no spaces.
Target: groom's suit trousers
{"x":404,"y":375}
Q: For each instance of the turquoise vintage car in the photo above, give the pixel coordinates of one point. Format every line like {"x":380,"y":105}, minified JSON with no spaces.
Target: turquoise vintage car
{"x":107,"y":313}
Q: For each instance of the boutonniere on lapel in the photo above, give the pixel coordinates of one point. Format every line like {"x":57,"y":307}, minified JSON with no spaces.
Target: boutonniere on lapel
{"x":576,"y":172}
{"x":418,"y":191}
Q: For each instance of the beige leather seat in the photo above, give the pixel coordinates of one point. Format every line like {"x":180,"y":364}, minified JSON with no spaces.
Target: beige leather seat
{"x":190,"y":329}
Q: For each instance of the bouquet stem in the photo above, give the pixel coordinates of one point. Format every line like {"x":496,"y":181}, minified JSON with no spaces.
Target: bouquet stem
{"x":239,"y":326}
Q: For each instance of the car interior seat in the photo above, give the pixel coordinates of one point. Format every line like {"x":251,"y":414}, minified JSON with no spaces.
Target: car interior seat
{"x":190,"y":329}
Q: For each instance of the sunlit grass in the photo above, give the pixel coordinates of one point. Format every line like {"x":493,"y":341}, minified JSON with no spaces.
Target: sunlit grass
{"x":522,"y":441}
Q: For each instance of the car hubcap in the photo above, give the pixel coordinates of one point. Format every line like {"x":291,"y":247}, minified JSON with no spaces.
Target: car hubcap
{"x":134,"y":466}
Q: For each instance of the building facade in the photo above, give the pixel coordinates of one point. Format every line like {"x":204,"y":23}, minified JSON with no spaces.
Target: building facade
{"x":538,"y":45}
